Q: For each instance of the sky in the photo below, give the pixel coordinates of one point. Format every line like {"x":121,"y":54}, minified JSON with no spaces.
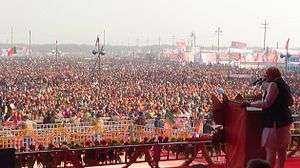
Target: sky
{"x":144,"y":21}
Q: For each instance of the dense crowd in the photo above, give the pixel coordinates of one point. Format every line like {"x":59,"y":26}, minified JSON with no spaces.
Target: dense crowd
{"x":75,"y":89}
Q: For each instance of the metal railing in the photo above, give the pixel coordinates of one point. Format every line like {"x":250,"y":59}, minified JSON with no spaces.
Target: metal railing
{"x":204,"y":151}
{"x":56,"y":134}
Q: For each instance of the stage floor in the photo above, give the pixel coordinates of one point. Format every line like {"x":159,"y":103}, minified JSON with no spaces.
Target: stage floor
{"x":291,"y":163}
{"x":163,"y":164}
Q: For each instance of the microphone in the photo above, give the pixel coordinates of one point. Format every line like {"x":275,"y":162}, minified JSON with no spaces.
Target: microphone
{"x":259,"y":81}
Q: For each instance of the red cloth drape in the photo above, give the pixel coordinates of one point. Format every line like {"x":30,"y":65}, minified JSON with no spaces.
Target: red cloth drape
{"x":235,"y":137}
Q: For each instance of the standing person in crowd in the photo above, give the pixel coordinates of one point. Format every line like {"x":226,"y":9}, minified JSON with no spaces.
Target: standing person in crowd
{"x":207,"y":127}
{"x":158,"y":123}
{"x":141,"y":119}
{"x":277,"y":116}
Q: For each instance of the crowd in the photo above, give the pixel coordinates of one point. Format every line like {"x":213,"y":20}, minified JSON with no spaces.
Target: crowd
{"x":76,"y":89}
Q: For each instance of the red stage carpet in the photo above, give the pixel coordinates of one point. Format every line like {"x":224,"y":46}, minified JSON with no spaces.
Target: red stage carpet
{"x":293,"y":163}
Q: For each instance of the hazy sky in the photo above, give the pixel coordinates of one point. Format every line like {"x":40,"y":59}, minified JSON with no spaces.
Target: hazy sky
{"x":125,"y":21}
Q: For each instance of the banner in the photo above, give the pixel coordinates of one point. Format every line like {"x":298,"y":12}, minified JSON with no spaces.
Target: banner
{"x":10,"y":52}
{"x":236,"y":44}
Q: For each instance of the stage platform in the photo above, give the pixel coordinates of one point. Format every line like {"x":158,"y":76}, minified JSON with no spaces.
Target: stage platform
{"x":291,"y":163}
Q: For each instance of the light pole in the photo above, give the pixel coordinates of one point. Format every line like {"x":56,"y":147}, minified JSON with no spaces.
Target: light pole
{"x":219,"y":32}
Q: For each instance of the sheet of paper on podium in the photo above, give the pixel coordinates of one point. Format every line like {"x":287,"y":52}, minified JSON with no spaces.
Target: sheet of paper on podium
{"x":253,"y":109}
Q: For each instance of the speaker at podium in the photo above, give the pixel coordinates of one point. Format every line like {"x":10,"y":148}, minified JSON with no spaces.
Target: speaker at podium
{"x":242,"y":130}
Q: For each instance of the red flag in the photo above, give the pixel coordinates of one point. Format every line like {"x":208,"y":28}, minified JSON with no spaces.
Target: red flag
{"x":10,"y":52}
{"x":287,"y":44}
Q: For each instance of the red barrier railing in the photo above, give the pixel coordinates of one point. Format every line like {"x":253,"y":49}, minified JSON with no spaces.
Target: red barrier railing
{"x":204,"y":152}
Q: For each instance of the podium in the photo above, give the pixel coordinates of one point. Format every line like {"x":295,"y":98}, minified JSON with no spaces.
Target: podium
{"x":242,"y":131}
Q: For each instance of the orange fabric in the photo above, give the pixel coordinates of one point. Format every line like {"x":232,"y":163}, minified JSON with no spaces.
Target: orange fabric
{"x":199,"y":128}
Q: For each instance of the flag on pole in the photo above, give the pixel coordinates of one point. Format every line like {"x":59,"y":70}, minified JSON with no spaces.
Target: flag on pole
{"x":287,"y":44}
{"x":10,"y":52}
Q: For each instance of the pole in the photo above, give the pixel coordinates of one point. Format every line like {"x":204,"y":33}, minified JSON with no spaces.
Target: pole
{"x":99,"y":55}
{"x":99,"y":62}
{"x":287,"y":55}
{"x":194,"y":38}
{"x":218,"y":34}
{"x":172,"y":38}
{"x":265,"y":26}
{"x":137,"y":42}
{"x":159,"y":42}
{"x":265,"y":32}
{"x":159,"y":47}
{"x":29,"y":43}
{"x":218,"y":39}
{"x":12,"y":37}
{"x":229,"y":61}
{"x":56,"y":52}
{"x":286,"y":60}
{"x":195,"y":44}
{"x":147,"y":42}
{"x":104,"y":38}
{"x":219,"y":31}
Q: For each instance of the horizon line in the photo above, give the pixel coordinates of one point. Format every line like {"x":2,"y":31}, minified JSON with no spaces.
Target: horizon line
{"x":120,"y":45}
